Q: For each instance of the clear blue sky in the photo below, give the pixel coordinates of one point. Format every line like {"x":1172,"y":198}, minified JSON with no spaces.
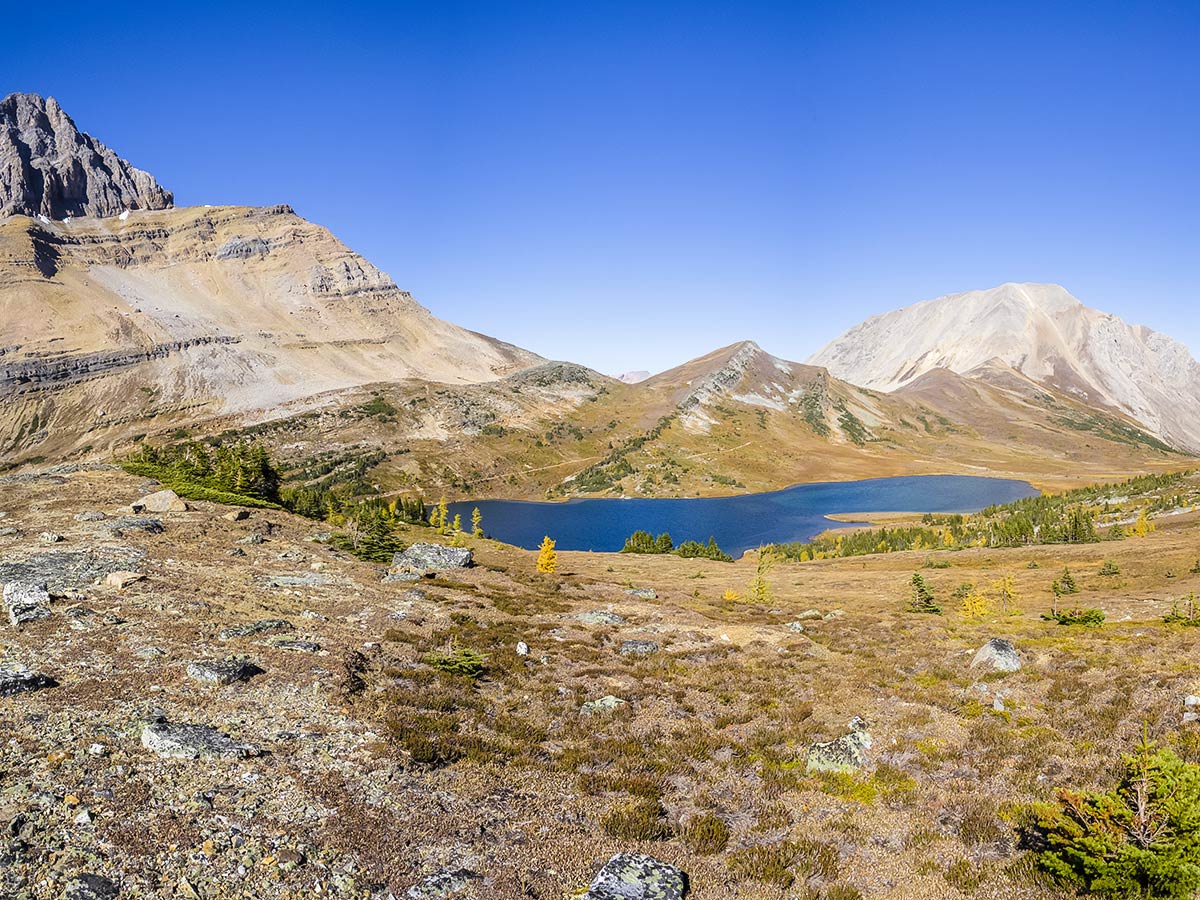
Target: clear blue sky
{"x":631,"y":185}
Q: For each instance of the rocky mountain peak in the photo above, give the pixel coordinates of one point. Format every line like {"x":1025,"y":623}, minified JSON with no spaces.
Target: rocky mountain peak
{"x":48,"y":167}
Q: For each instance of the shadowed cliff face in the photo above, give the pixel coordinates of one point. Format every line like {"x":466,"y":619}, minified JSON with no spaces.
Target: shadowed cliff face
{"x":50,"y":168}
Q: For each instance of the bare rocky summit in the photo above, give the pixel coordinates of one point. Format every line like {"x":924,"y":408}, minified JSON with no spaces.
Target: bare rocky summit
{"x":1036,"y":332}
{"x":50,"y":168}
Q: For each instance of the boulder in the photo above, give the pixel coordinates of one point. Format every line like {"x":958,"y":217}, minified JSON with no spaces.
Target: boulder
{"x":426,"y":559}
{"x":93,"y":515}
{"x":18,"y":679}
{"x":147,"y":524}
{"x":165,"y":501}
{"x":643,"y":593}
{"x":998,"y":655}
{"x":633,"y":876}
{"x":845,"y":754}
{"x":237,"y":515}
{"x":26,"y":602}
{"x":222,"y":671}
{"x":172,"y":741}
{"x":120,"y":580}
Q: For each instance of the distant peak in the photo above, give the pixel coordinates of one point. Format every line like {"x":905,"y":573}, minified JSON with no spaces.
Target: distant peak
{"x":48,"y":167}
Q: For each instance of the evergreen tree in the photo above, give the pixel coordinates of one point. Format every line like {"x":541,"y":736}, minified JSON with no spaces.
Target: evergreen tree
{"x":476,"y":522}
{"x":922,"y":599}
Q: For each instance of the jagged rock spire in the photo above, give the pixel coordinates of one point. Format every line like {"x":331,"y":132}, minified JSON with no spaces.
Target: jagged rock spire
{"x":49,"y":167}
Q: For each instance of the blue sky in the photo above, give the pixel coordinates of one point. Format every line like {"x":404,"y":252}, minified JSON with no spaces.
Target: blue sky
{"x":632,"y":185}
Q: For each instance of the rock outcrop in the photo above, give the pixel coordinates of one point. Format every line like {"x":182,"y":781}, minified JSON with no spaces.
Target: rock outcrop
{"x":48,"y":167}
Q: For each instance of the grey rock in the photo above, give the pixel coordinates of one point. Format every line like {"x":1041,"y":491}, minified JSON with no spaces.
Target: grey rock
{"x":643,"y":593}
{"x":64,"y":570}
{"x":252,"y":538}
{"x":391,"y":577}
{"x":89,"y":886}
{"x":93,"y":515}
{"x":795,"y":626}
{"x":295,"y":646}
{"x":263,"y":626}
{"x":237,"y":515}
{"x":9,"y":531}
{"x":18,"y":679}
{"x":175,"y":741}
{"x":522,"y":648}
{"x":243,"y":248}
{"x":638,"y":648}
{"x":426,"y":559}
{"x":808,"y":614}
{"x":163,"y":501}
{"x":998,"y":655}
{"x":308,"y":579}
{"x":222,"y":671}
{"x":845,"y":754}
{"x":599,"y":617}
{"x":443,"y":884}
{"x":834,"y":614}
{"x":149,"y":653}
{"x":603,"y":705}
{"x":144,"y":524}
{"x":50,"y":537}
{"x":633,"y":876}
{"x":26,"y":602}
{"x":50,"y":168}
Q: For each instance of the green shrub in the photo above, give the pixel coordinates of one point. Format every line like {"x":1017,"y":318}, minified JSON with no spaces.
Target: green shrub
{"x":1092,"y":618}
{"x":1184,"y":613}
{"x":1110,"y":568}
{"x":461,"y":661}
{"x":1140,"y":839}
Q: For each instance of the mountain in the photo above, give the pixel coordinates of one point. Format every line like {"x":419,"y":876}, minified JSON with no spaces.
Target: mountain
{"x":1041,"y":332}
{"x":159,"y":317}
{"x":633,"y":377}
{"x":49,"y":168}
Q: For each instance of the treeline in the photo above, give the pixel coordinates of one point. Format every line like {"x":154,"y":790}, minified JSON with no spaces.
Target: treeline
{"x":1067,"y":518}
{"x":243,"y":473}
{"x":645,"y":542}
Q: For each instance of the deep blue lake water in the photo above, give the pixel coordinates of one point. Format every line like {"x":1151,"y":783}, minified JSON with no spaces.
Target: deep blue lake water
{"x":738,"y":523}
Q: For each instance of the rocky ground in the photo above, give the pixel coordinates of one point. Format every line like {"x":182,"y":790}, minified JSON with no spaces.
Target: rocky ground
{"x":212,"y":703}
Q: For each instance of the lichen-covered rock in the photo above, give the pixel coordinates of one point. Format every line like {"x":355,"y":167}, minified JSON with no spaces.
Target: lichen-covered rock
{"x":643,"y":593}
{"x":425,"y":559}
{"x":638,"y":648}
{"x":293,"y":645}
{"x":603,"y":705}
{"x":845,"y":754}
{"x":163,"y":501}
{"x":91,"y":887}
{"x":146,"y":524}
{"x":174,"y":741}
{"x":262,"y":626}
{"x":599,"y":617}
{"x":443,"y":884}
{"x":18,"y":679}
{"x":998,"y":655}
{"x":222,"y":671}
{"x":26,"y":602}
{"x":634,"y":876}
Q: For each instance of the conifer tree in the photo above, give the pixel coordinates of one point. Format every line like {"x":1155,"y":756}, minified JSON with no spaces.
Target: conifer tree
{"x":922,"y":599}
{"x":547,"y":560}
{"x":476,"y":522}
